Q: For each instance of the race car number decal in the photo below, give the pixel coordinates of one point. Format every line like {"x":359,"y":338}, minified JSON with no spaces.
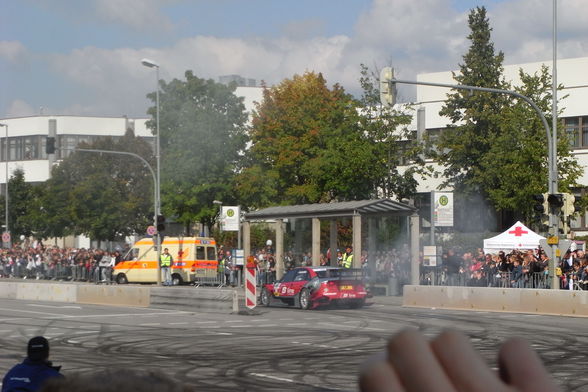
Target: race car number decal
{"x":284,"y":290}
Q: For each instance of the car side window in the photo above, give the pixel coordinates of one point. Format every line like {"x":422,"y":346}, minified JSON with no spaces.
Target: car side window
{"x":289,"y":277}
{"x":200,"y":253}
{"x":302,"y":275}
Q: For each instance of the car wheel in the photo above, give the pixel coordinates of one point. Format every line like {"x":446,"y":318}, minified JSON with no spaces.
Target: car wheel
{"x":176,"y":280}
{"x":358,"y":303}
{"x":121,"y":279}
{"x":265,"y":297}
{"x":304,"y":299}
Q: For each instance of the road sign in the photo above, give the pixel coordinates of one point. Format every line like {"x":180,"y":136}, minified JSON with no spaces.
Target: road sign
{"x":250,"y":288}
{"x":561,"y":249}
{"x":6,"y":237}
{"x":239,"y":256}
{"x":151,"y":230}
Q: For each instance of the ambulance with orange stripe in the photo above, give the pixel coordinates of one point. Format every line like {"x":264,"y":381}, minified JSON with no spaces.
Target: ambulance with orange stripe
{"x":194,"y":259}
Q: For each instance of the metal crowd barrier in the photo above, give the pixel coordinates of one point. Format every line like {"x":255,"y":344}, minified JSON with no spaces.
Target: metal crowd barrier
{"x":216,"y":280}
{"x":502,"y":279}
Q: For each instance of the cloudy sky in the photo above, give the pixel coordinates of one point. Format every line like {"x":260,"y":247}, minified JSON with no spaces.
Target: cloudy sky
{"x":83,"y":57}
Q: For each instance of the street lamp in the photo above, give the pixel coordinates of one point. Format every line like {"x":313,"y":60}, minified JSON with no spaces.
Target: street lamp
{"x":151,"y":64}
{"x":220,"y":212}
{"x":6,"y":198}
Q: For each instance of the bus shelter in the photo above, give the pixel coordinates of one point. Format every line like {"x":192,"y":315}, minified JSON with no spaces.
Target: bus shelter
{"x":357,"y":211}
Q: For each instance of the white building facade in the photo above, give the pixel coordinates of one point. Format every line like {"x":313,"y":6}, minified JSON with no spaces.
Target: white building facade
{"x":27,"y":137}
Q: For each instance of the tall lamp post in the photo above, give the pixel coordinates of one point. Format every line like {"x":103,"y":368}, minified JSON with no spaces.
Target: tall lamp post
{"x":151,"y":64}
{"x":6,"y":196}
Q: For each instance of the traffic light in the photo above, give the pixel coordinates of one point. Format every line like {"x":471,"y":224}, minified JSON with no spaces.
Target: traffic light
{"x":541,"y":209}
{"x":160,"y":223}
{"x":387,"y":87}
{"x":541,"y":205}
{"x":556,"y":200}
{"x":50,"y":145}
{"x":568,"y":208}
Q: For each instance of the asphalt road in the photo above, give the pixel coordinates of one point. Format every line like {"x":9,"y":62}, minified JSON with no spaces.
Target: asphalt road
{"x":276,"y":349}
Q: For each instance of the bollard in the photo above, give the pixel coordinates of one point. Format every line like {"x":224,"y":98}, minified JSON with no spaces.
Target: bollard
{"x":235,"y":301}
{"x":393,"y":286}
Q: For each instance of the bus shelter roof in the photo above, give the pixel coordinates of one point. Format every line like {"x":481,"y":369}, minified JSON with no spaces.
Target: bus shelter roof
{"x":377,"y":207}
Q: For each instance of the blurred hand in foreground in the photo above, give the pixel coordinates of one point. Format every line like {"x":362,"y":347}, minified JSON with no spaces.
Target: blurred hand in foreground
{"x":412,"y":363}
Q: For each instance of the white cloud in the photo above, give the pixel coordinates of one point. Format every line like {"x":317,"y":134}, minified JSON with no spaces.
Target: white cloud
{"x":413,"y":36}
{"x":523,"y":29}
{"x":19,"y":108}
{"x":13,"y":51}
{"x":138,"y":14}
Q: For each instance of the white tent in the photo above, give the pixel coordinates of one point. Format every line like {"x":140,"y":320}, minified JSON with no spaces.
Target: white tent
{"x":517,"y":237}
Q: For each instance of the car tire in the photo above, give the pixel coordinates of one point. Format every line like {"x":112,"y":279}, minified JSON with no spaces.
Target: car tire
{"x":176,"y":280}
{"x":265,"y":297}
{"x":121,"y":279}
{"x":304,"y":299}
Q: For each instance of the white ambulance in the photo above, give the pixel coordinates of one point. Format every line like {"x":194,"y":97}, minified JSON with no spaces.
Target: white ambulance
{"x":194,"y":260}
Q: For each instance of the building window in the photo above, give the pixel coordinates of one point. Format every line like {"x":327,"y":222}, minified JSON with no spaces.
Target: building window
{"x":65,"y":144}
{"x":15,"y":149}
{"x":572,"y":129}
{"x":584,"y":128}
{"x":31,"y":147}
{"x":26,"y":148}
{"x":432,"y":141}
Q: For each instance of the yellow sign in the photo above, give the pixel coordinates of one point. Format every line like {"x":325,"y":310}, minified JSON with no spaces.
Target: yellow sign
{"x":554,"y":240}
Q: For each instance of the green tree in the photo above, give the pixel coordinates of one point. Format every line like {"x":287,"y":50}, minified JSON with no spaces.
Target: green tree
{"x":103,"y":196}
{"x":312,"y":143}
{"x":202,"y":139}
{"x":478,"y":114}
{"x":495,"y":150}
{"x":516,"y":164}
{"x":22,"y":198}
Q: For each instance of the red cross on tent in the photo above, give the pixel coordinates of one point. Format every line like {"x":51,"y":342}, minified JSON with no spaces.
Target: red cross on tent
{"x":518,"y":231}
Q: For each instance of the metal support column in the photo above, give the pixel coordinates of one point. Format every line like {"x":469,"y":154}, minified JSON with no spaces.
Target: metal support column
{"x":279,"y":248}
{"x":414,"y":249}
{"x":357,"y":241}
{"x":316,"y":241}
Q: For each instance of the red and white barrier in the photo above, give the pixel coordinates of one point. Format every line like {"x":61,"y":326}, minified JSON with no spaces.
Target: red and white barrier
{"x":250,"y":288}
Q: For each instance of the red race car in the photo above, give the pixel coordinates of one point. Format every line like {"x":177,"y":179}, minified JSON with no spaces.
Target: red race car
{"x":310,"y":287}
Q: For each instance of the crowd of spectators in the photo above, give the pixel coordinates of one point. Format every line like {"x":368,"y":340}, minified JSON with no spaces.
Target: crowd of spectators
{"x":517,"y":269}
{"x":34,"y":260}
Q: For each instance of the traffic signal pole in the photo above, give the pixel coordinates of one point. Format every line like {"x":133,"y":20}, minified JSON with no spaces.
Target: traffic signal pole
{"x":551,"y":152}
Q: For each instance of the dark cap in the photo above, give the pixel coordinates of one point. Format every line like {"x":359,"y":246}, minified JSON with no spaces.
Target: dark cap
{"x":38,"y":348}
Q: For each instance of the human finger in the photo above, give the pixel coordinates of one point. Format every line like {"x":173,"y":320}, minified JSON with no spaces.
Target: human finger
{"x":377,"y":375}
{"x":413,"y":360}
{"x":463,"y":365}
{"x":521,"y":367}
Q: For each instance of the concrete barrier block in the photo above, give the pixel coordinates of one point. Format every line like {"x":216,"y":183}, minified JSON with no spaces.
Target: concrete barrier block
{"x":113,"y":295}
{"x":419,"y":296}
{"x":193,"y":299}
{"x":557,"y":302}
{"x":46,"y":292}
{"x":8,"y":290}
